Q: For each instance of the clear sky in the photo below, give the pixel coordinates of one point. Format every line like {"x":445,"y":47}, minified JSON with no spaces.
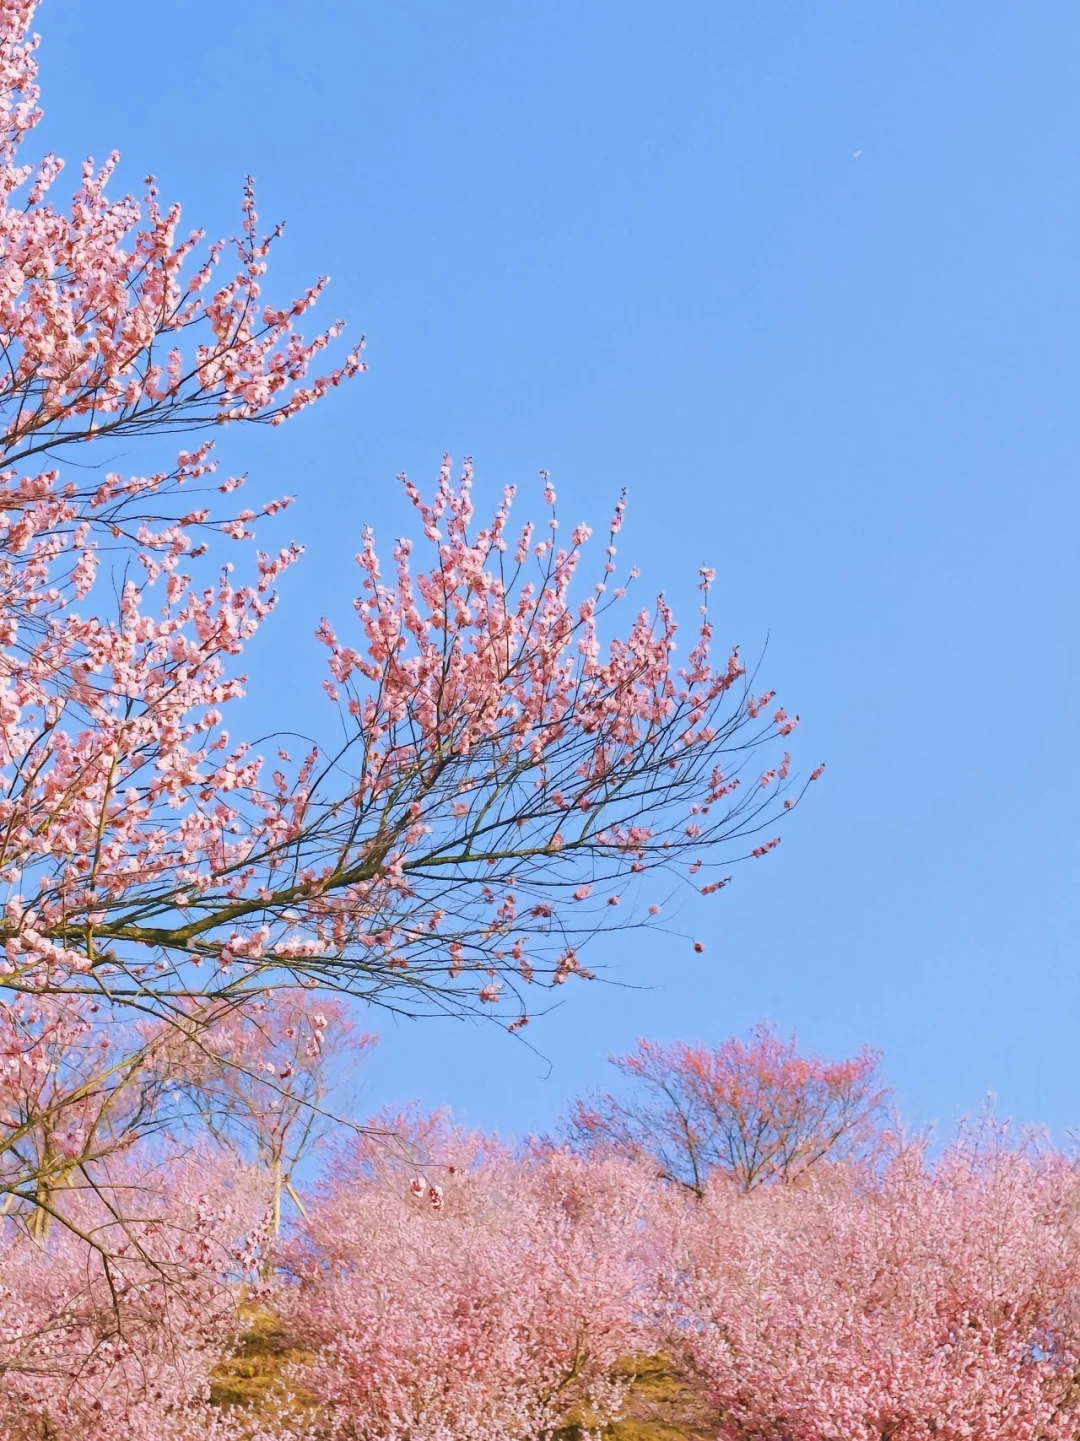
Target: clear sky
{"x":805,"y":279}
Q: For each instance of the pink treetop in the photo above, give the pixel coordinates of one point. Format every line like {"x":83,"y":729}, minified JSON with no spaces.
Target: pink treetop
{"x":937,"y":1303}
{"x":486,"y":1313}
{"x":753,"y":1112}
{"x":72,"y":1093}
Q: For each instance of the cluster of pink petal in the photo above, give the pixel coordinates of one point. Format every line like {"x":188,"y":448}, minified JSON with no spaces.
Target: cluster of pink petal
{"x":96,"y":1345}
{"x":105,"y":327}
{"x":446,"y":1288}
{"x":930,"y":1303}
{"x":487,"y":1314}
{"x":505,"y":745}
{"x":509,"y":756}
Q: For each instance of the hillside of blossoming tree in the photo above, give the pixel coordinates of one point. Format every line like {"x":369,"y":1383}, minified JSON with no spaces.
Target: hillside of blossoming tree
{"x":199,"y":1239}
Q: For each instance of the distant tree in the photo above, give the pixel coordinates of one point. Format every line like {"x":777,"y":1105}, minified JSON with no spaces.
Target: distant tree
{"x":755,"y":1112}
{"x":259,"y":1080}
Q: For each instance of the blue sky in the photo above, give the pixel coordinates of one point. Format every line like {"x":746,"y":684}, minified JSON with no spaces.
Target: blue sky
{"x":805,"y":280}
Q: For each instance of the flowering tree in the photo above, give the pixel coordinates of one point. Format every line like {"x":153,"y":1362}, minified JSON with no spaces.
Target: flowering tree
{"x":511,"y":766}
{"x":71,"y":1095}
{"x":488,"y":1305}
{"x":105,"y":333}
{"x":119,"y":1348}
{"x":753,"y":1112}
{"x":259,"y":1079}
{"x":934,"y":1303}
